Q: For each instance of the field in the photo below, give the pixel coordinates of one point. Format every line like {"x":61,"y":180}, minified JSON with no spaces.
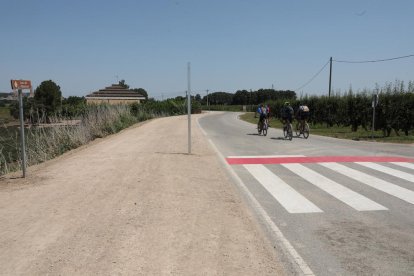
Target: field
{"x":339,"y":132}
{"x":5,"y":115}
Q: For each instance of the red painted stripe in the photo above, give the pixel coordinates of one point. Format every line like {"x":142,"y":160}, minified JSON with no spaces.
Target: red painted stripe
{"x":316,"y":159}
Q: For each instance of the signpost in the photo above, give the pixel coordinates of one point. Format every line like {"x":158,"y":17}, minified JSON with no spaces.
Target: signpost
{"x":19,"y":85}
{"x":189,"y":106}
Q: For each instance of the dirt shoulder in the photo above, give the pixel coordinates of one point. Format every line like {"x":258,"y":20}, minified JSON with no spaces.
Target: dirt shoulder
{"x":133,"y":203}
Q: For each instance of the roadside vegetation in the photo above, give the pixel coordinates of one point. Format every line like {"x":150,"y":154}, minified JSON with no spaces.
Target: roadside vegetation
{"x":340,"y":132}
{"x":69,"y":123}
{"x":56,"y":125}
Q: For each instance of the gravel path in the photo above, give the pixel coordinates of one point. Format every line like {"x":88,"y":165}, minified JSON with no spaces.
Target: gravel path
{"x":133,"y":203}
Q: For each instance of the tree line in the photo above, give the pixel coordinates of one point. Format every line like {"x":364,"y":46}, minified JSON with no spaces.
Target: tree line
{"x":244,"y":97}
{"x":393,"y":112}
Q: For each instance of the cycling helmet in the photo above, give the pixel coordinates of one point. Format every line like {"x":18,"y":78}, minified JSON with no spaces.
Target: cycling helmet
{"x":286,"y":103}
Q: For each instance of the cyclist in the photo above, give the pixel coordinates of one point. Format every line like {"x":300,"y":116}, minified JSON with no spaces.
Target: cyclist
{"x":262,"y":115}
{"x":302,"y":115}
{"x":268,"y":114}
{"x":286,"y":114}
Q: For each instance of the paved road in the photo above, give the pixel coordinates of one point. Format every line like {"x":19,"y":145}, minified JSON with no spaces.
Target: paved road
{"x":342,"y":216}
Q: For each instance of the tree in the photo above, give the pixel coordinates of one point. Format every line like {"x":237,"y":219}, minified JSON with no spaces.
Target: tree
{"x":73,"y":106}
{"x":48,"y":98}
{"x":220,"y":98}
{"x":28,"y":104}
{"x":123,"y":84}
{"x":242,"y":97}
{"x":142,"y":92}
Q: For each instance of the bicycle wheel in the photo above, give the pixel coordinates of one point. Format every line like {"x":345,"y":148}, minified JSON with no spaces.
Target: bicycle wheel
{"x":285,"y":132}
{"x":306,"y":131}
{"x":290,"y":132}
{"x":259,"y":128}
{"x":264,"y":129}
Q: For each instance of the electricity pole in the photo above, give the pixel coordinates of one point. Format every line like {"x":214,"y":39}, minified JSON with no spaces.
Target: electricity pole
{"x":330,"y":76}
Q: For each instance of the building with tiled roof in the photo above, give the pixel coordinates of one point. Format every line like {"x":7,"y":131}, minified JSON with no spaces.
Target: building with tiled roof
{"x":115,"y":94}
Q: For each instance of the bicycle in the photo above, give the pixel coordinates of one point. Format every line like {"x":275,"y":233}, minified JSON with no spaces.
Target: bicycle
{"x":288,"y":131}
{"x":303,"y":129}
{"x":262,"y":127}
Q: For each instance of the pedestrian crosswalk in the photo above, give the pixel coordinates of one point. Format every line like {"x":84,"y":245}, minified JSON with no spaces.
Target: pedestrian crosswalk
{"x":372,"y":181}
{"x":342,"y":193}
{"x":366,"y":173}
{"x":293,"y":201}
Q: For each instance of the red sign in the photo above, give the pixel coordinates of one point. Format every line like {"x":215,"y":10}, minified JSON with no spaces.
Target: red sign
{"x":21,"y":84}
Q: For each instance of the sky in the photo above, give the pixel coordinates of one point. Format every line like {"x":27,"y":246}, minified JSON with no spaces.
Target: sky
{"x":86,"y":45}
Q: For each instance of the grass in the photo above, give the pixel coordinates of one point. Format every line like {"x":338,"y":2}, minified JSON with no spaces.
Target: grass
{"x":339,"y":132}
{"x":48,"y":141}
{"x":5,"y":115}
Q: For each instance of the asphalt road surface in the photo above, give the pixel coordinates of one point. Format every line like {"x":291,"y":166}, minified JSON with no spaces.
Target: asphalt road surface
{"x":336,"y":207}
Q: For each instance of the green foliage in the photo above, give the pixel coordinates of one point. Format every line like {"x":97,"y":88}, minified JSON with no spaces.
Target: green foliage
{"x":395,"y":110}
{"x":28,"y":108}
{"x":220,"y":98}
{"x":142,"y":91}
{"x":234,"y":108}
{"x":5,"y":116}
{"x":340,"y":132}
{"x":153,"y":109}
{"x":73,"y":107}
{"x":123,"y":84}
{"x":244,"y":97}
{"x":48,"y":98}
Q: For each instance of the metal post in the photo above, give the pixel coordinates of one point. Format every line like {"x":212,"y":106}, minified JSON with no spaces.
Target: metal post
{"x":189,"y":108}
{"x":250,"y":100}
{"x":373,"y":122}
{"x":22,"y":138}
{"x":208,"y":107}
{"x":374,"y":104}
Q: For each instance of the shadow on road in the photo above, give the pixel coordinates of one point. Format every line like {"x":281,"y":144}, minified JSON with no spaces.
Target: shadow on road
{"x":283,"y":138}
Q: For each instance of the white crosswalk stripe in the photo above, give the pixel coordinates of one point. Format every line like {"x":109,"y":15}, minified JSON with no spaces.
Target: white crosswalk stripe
{"x":295,"y":202}
{"x":404,"y":164}
{"x":374,"y":182}
{"x":387,"y":170}
{"x":290,"y":199}
{"x":353,"y":199}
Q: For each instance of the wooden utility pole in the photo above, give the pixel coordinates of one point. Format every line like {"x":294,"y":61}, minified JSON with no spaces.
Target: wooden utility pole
{"x":330,"y":77}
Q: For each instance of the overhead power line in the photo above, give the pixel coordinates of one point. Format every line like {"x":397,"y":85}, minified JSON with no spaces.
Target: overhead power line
{"x":323,"y":67}
{"x":377,"y":60}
